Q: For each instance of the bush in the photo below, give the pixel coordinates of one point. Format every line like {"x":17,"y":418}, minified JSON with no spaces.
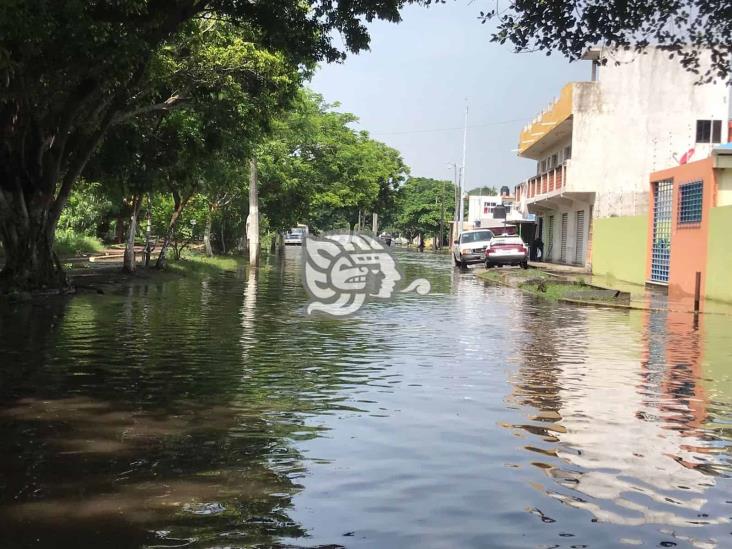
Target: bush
{"x":87,"y":210}
{"x":70,"y":243}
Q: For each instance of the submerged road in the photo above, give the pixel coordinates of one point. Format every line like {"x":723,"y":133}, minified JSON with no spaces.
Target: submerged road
{"x":210,"y":412}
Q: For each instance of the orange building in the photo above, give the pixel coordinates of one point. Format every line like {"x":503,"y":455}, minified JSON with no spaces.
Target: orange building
{"x":690,"y":227}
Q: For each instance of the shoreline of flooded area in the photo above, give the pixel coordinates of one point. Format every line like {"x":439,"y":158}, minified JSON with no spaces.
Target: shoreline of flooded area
{"x":210,"y":411}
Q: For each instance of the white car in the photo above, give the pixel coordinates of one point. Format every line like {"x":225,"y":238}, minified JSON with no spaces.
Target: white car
{"x":295,"y":236}
{"x":506,"y":249}
{"x":470,"y":247}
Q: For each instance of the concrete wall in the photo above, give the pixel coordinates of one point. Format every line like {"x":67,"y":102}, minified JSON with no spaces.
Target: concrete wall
{"x":631,"y":122}
{"x":719,"y":255}
{"x":688,"y":241}
{"x":619,"y":247}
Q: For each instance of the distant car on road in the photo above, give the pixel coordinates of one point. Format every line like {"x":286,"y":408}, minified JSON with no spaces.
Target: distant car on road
{"x":295,"y":236}
{"x":470,"y":247}
{"x":386,"y":238}
{"x":506,"y":250}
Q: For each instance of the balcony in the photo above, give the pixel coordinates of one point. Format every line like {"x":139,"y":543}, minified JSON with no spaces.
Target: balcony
{"x":553,"y":125}
{"x":546,"y":184}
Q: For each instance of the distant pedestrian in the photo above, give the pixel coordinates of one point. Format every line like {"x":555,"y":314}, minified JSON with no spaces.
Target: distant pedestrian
{"x":539,"y":243}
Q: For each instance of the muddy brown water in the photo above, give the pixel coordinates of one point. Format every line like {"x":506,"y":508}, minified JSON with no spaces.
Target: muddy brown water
{"x":210,"y":412}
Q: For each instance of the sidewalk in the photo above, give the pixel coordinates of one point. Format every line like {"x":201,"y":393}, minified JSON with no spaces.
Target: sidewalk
{"x":559,"y":268}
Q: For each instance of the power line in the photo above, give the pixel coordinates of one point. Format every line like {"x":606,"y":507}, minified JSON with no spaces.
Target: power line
{"x":434,"y":130}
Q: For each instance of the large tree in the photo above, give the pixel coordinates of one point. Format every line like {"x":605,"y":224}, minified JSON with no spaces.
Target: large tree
{"x":71,"y":70}
{"x":685,"y":28}
{"x":424,"y":206}
{"x":316,"y":169}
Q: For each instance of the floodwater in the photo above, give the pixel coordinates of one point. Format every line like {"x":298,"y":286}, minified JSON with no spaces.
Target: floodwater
{"x":212,"y":413}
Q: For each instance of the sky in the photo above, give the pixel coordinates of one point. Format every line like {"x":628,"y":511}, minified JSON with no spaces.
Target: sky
{"x":411,"y":88}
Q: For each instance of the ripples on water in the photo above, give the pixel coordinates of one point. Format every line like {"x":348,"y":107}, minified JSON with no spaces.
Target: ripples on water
{"x":212,"y":413}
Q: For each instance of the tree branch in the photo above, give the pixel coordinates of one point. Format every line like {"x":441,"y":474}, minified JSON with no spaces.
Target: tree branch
{"x":170,"y":103}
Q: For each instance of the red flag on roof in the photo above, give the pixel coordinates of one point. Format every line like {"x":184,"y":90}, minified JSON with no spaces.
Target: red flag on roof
{"x":687,"y":156}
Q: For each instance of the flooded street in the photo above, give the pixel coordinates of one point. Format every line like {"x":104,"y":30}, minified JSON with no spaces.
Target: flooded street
{"x":212,"y":413}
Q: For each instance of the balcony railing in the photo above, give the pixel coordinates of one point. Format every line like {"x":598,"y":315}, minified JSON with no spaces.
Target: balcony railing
{"x":544,"y":183}
{"x":547,"y":182}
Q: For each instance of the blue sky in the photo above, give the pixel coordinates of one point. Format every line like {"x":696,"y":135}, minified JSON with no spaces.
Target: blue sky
{"x":417,"y":77}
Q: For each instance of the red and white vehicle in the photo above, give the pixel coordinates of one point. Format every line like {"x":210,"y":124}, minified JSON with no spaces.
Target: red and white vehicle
{"x":506,"y":249}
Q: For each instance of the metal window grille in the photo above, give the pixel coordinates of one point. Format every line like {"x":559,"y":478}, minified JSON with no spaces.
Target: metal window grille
{"x":549,"y":237}
{"x":703,"y":131}
{"x":690,"y":202}
{"x":661,"y":246}
{"x":579,"y":251}
{"x":716,"y":131}
{"x":563,"y":250}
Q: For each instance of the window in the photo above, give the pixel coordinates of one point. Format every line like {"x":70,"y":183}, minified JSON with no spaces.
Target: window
{"x":475,"y":236}
{"x":708,"y":131}
{"x":690,"y":202}
{"x":543,"y":165}
{"x":488,"y":207}
{"x":568,"y":152}
{"x":555,"y":158}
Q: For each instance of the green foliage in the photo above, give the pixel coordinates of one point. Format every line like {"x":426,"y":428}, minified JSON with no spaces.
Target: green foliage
{"x":483,"y":191}
{"x":315,"y":169}
{"x":69,"y":243}
{"x":73,"y":72}
{"x":421,"y":204}
{"x":200,"y":264}
{"x":189,"y":225}
{"x":87,"y":211}
{"x":686,"y":29}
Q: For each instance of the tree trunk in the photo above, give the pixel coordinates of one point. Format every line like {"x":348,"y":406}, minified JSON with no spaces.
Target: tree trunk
{"x":119,"y":230}
{"x":148,"y":234}
{"x":223,"y":240}
{"x":129,"y":264}
{"x":207,"y":235}
{"x":253,"y":218}
{"x":30,"y":262}
{"x":178,"y":206}
{"x":27,"y":228}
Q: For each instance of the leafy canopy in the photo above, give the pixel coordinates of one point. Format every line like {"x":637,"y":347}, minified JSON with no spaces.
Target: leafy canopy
{"x":685,"y":28}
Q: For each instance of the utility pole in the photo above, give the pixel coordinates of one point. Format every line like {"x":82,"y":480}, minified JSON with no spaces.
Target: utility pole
{"x":442,"y":216}
{"x":462,"y":179}
{"x":374,"y":223}
{"x":253,"y":217}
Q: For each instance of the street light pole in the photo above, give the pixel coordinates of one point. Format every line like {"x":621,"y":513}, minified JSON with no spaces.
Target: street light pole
{"x":462,"y":179}
{"x":442,"y":215}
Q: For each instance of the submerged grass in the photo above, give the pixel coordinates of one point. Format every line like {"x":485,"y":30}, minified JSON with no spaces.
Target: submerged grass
{"x":541,"y":284}
{"x":198,"y":263}
{"x":551,"y":291}
{"x":69,"y":243}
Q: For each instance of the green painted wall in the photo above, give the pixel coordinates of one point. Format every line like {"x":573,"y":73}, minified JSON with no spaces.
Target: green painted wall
{"x":619,"y":247}
{"x":718,"y":284}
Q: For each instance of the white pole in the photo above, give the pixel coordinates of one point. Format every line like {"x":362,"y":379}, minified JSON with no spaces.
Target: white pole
{"x":462,"y":179}
{"x":253,"y":218}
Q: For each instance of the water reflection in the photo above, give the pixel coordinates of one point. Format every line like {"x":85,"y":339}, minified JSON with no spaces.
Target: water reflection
{"x":623,"y":419}
{"x":213,"y":413}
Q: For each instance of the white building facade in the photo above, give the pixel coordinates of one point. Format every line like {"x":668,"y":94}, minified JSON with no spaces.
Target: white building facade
{"x":488,"y":210}
{"x":597,"y":143}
